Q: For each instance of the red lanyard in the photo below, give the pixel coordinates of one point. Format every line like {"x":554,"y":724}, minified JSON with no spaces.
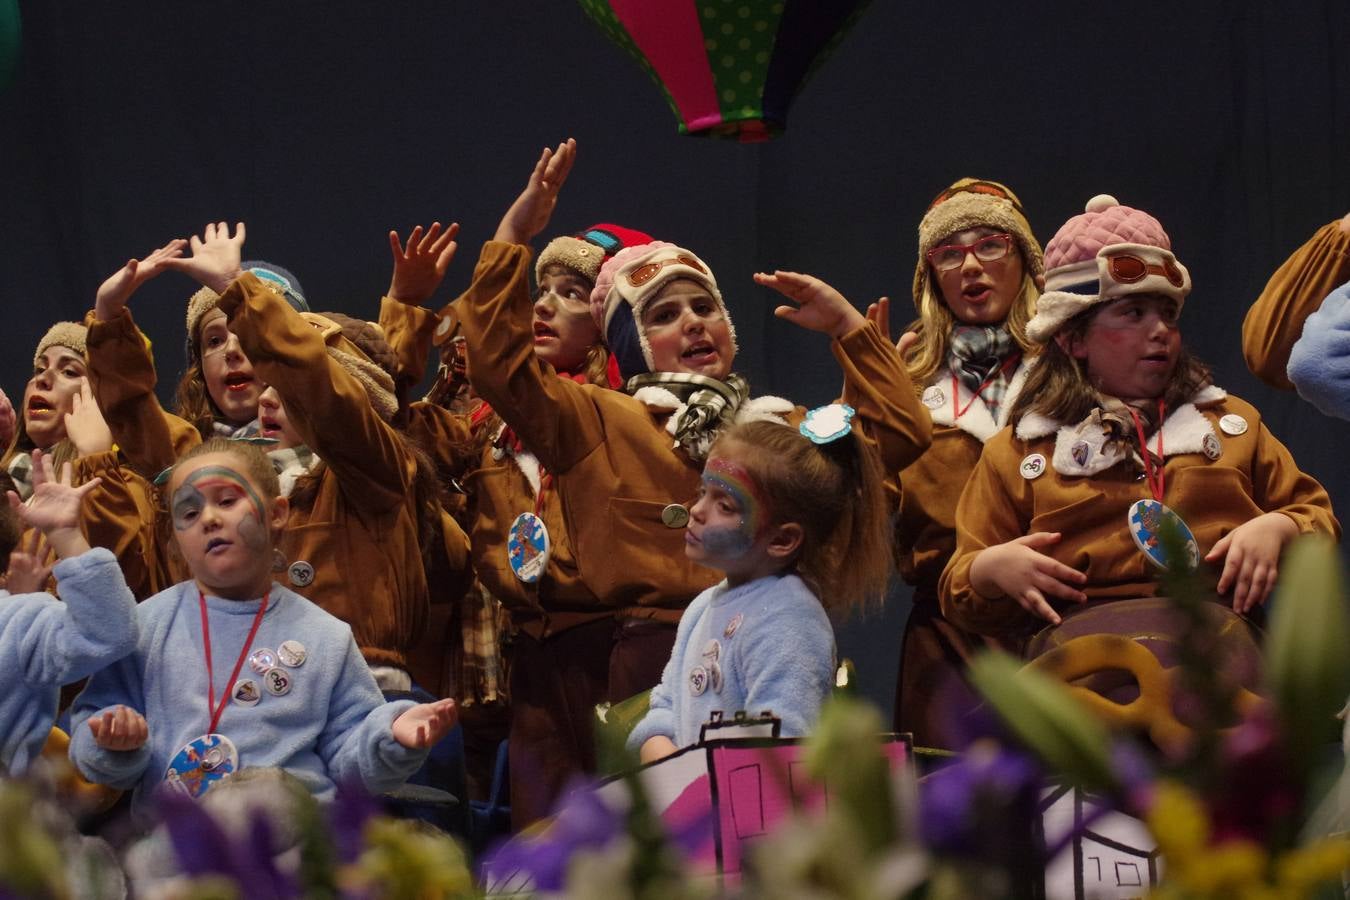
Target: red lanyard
{"x":1002,"y":370}
{"x":1155,"y":475}
{"x":216,"y":710}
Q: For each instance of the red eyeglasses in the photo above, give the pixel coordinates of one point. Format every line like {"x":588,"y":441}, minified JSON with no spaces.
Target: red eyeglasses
{"x":646,"y":272}
{"x":1127,"y":269}
{"x":989,"y":248}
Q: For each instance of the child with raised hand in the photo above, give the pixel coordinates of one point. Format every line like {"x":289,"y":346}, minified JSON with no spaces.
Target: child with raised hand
{"x":559,"y":664}
{"x":622,"y":465}
{"x":797,"y":520}
{"x":234,"y":670}
{"x":218,"y":392}
{"x":1117,"y":433}
{"x":354,"y":542}
{"x":48,"y":642}
{"x":61,"y":417}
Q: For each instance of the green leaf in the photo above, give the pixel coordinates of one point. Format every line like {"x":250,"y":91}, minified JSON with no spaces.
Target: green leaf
{"x":1046,"y":717}
{"x":1307,"y":666}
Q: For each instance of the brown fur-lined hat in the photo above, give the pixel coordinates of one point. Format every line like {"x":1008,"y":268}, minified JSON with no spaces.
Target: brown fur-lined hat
{"x":968,"y":203}
{"x":63,"y":334}
{"x":361,"y":349}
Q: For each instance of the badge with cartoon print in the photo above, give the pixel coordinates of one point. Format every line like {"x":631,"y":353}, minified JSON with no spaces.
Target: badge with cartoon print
{"x":698,"y":681}
{"x":528,"y":547}
{"x":201,"y":764}
{"x":1148,"y":521}
{"x":246,"y":692}
{"x":291,"y":653}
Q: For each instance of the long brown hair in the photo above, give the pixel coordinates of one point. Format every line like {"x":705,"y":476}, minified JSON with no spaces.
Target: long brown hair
{"x":1058,"y":388}
{"x":934,"y":327}
{"x":194,"y":402}
{"x":834,"y":491}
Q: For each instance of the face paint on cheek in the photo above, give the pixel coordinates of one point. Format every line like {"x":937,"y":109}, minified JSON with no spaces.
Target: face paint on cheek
{"x":252,"y":528}
{"x":736,"y":482}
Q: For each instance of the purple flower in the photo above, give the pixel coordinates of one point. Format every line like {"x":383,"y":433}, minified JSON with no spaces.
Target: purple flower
{"x":202,"y":848}
{"x":983,"y":806}
{"x":351,"y":810}
{"x":582,"y":822}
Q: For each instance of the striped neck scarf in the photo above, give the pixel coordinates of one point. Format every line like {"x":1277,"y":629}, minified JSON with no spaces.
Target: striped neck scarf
{"x":708,"y":405}
{"x":976,"y":354}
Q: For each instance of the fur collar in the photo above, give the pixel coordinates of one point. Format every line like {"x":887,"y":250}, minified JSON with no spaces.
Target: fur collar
{"x":976,"y":421}
{"x":663,"y":402}
{"x":526,"y":461}
{"x":1184,"y":431}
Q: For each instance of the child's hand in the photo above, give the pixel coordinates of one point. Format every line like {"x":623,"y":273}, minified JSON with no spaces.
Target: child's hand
{"x":1018,"y":569}
{"x":530,"y":213}
{"x":113,"y":294}
{"x":819,"y":306}
{"x":215,"y":259}
{"x":656,"y":747}
{"x":425,"y":724}
{"x":1251,"y":558}
{"x":8,"y":420}
{"x":879,"y":314}
{"x":85,"y":426}
{"x":420,"y":267}
{"x":54,"y":507}
{"x":28,"y":570}
{"x":121,"y":728}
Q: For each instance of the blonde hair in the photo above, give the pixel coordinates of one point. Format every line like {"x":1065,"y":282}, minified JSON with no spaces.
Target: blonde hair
{"x":935,"y":322}
{"x":834,"y":492}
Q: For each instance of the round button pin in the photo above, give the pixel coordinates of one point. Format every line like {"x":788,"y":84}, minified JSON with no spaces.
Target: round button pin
{"x":698,"y":681}
{"x":1233,"y":424}
{"x":262,"y":659}
{"x":301,"y":573}
{"x":277,"y":682}
{"x":675,"y":516}
{"x":291,"y":653}
{"x":1033,"y":466}
{"x":933,"y":397}
{"x":1211,"y":446}
{"x":246,"y":692}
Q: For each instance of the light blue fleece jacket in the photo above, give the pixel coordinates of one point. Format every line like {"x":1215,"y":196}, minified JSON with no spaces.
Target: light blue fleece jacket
{"x":46,"y":643}
{"x":333,"y":725}
{"x":773,"y":649}
{"x":1319,"y":364}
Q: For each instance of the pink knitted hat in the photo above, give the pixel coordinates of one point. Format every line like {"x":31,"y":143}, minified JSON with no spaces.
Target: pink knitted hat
{"x":617,"y":302}
{"x":1108,"y":252}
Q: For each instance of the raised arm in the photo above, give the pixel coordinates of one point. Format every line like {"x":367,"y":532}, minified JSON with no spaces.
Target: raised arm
{"x":875,"y":381}
{"x":122,"y":371}
{"x":419,"y":269}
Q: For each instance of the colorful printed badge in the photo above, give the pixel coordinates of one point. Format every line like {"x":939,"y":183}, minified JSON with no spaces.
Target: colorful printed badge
{"x":528,"y":547}
{"x":201,"y":764}
{"x":1148,"y":521}
{"x":828,"y":423}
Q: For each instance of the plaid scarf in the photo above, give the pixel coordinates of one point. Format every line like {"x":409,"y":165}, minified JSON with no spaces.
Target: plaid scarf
{"x":291,"y":463}
{"x":979,"y":352}
{"x":479,"y":663}
{"x":21,"y":470}
{"x":707,"y":406}
{"x":234,"y":432}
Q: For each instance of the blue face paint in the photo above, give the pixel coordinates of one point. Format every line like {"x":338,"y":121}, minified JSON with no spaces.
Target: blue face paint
{"x":731,"y":479}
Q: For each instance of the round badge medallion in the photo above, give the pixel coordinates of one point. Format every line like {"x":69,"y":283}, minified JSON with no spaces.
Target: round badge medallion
{"x":201,"y":764}
{"x":1148,"y":522}
{"x":528,"y":547}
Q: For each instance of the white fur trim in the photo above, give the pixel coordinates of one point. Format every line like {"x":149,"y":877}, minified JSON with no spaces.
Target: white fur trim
{"x":1184,"y":431}
{"x":765,"y":409}
{"x":1053,"y":309}
{"x":528,"y":464}
{"x":659,"y":398}
{"x":976,"y":421}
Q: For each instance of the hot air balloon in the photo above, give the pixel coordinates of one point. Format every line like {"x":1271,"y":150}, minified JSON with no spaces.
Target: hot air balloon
{"x":729,"y":68}
{"x":9,"y":40}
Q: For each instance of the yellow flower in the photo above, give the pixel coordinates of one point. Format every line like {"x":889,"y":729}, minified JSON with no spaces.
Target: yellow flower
{"x":1178,"y":822}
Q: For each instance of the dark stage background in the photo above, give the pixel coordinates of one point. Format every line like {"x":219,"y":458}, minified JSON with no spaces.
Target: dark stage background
{"x":325,"y":124}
